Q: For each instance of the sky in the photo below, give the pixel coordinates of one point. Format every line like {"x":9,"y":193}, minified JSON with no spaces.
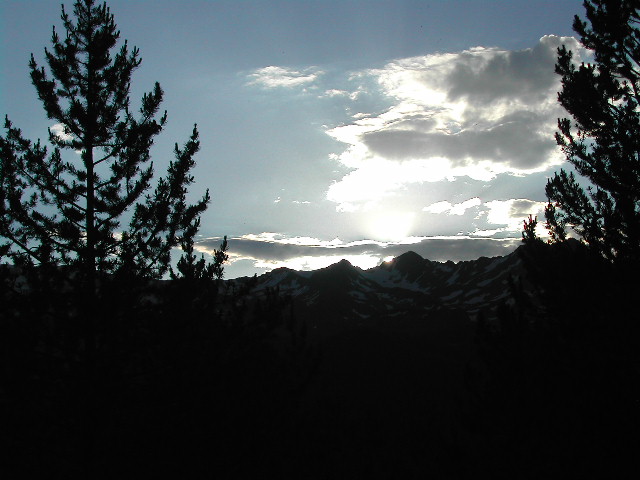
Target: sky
{"x":339,"y":129}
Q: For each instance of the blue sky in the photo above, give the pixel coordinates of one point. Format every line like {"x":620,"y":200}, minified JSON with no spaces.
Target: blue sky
{"x":340,"y":129}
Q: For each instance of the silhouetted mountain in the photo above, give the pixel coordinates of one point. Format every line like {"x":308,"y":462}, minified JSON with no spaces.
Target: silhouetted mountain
{"x":409,"y":264}
{"x":407,"y":286}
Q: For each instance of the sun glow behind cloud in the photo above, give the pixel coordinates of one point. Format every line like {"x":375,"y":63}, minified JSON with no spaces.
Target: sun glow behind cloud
{"x":391,"y":226}
{"x":477,"y":113}
{"x":414,"y":163}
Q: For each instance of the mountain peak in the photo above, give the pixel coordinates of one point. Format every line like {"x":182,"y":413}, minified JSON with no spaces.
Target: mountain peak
{"x":409,"y":264}
{"x":342,"y":267}
{"x":408,"y":285}
{"x":408,"y":257}
{"x":344,"y":263}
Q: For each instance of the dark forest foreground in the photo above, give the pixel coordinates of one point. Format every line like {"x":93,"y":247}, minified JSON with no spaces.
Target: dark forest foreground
{"x":228,"y":385}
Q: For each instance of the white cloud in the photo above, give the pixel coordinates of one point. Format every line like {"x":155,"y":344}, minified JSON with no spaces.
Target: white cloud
{"x":477,"y":113}
{"x":306,"y":263}
{"x":273,"y":77}
{"x":271,"y":237}
{"x":372,"y":181}
{"x":511,"y":214}
{"x":457,"y":209}
{"x":438,"y":207}
{"x":496,"y":218}
{"x":58,"y":130}
{"x":487,"y":233}
{"x":335,"y":92}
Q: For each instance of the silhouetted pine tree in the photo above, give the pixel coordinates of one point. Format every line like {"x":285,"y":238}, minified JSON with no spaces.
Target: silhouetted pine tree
{"x":602,"y":141}
{"x":69,"y":212}
{"x":591,"y":292}
{"x":561,"y":389}
{"x":81,"y":271}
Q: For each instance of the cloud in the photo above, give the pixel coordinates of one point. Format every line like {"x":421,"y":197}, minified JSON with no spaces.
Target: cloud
{"x":457,"y":209}
{"x":477,"y":113}
{"x":517,"y":142}
{"x":272,"y":250}
{"x":335,"y":92}
{"x":496,"y":218}
{"x":485,"y":76}
{"x":509,"y":216}
{"x":438,"y":207}
{"x":274,"y":77}
{"x":512,"y":212}
{"x":58,"y":129}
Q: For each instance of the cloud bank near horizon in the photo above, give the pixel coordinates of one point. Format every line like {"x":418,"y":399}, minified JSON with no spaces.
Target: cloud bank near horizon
{"x":499,"y":234}
{"x":271,"y":250}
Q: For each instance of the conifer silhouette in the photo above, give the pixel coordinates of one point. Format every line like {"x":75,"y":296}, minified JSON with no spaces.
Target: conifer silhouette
{"x":87,"y":229}
{"x":57,"y":209}
{"x":561,"y":364}
{"x":602,"y":141}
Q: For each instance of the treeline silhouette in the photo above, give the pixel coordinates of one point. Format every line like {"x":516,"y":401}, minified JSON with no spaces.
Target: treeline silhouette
{"x":189,"y":377}
{"x":107,"y":369}
{"x":560,"y":394}
{"x":555,"y":384}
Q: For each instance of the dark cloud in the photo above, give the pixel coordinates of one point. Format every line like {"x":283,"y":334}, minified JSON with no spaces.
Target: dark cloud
{"x":515,"y":140}
{"x":523,"y":208}
{"x":279,"y":251}
{"x":523,"y":74}
{"x":436,"y":249}
{"x":462,"y":248}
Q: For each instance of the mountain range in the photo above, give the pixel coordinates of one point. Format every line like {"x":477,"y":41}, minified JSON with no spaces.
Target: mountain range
{"x":407,"y":287}
{"x":393,"y":344}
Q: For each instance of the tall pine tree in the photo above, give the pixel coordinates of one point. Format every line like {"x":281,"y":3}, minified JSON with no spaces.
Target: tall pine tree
{"x":570,"y":371}
{"x":602,"y":142}
{"x":55,"y":210}
{"x":58,"y":208}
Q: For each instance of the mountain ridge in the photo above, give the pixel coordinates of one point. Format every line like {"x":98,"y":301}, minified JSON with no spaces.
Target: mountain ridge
{"x":408,"y":286}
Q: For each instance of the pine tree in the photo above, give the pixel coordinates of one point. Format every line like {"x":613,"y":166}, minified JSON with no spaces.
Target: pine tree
{"x":86,"y":202}
{"x":58,"y":211}
{"x":602,"y":142}
{"x":580,"y":345}
{"x":529,"y":235}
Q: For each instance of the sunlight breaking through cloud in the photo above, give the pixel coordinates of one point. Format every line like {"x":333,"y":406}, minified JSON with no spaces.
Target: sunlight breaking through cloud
{"x":476,"y":113}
